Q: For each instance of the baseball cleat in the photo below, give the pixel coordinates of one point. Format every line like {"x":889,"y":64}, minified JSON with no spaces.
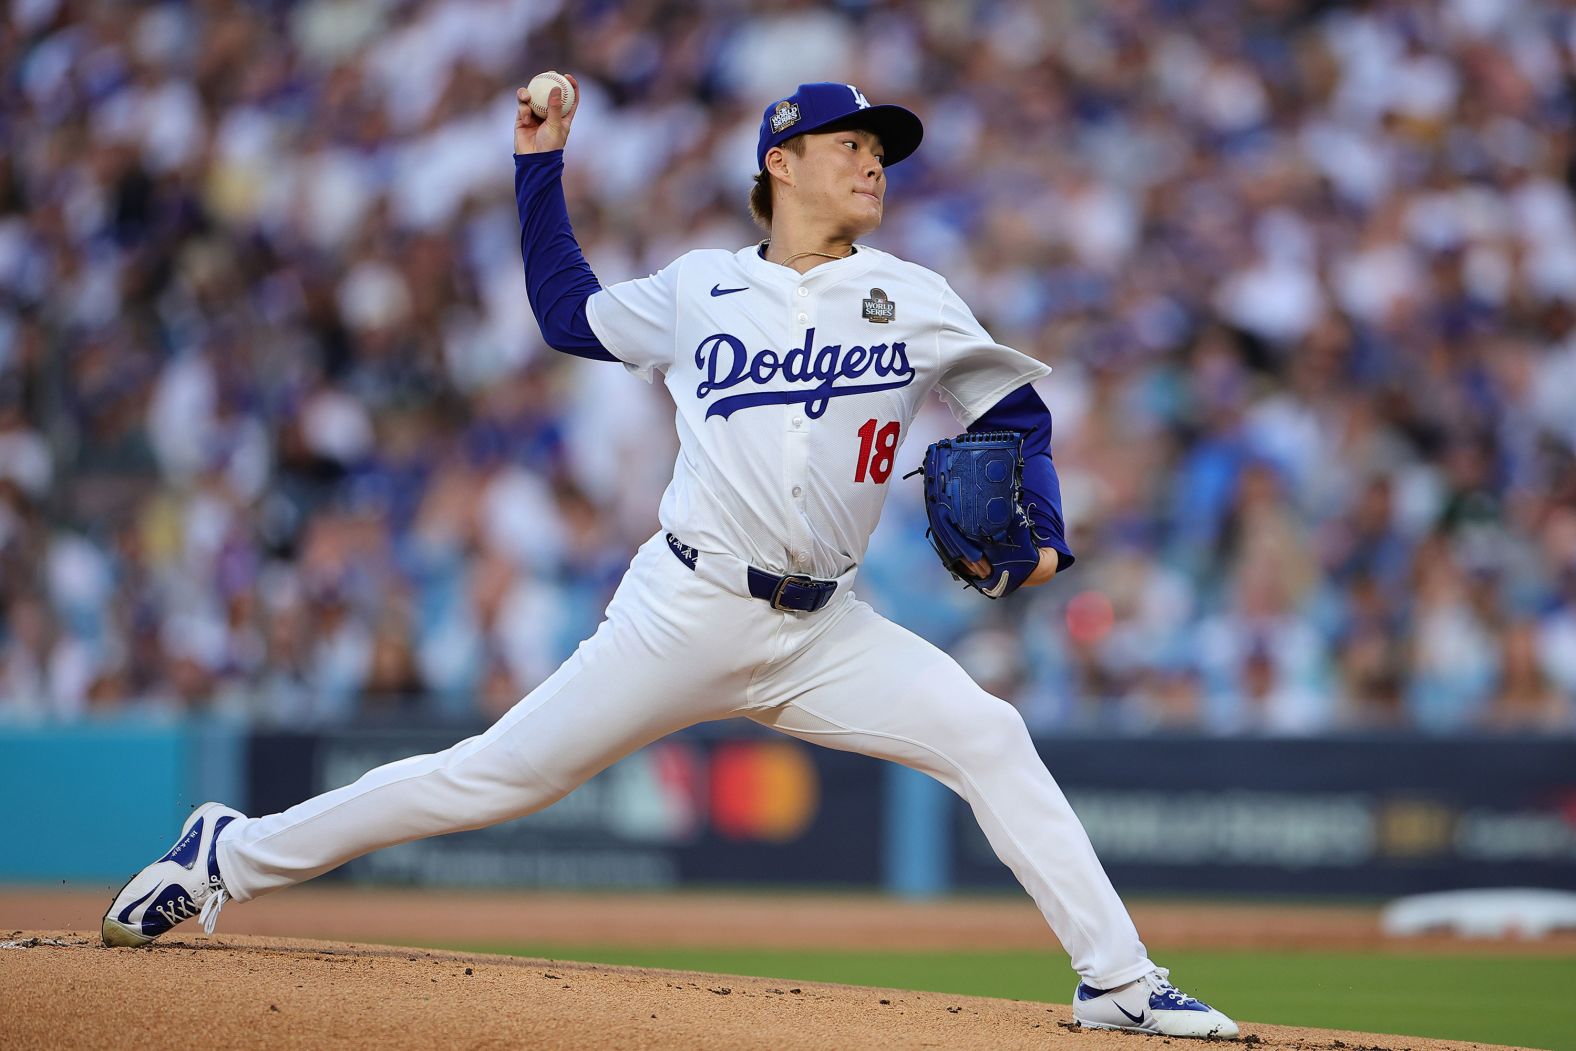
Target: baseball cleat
{"x":1150,"y":1005}
{"x":184,"y":883}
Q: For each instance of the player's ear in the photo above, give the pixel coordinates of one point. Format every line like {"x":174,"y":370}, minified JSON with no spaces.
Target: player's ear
{"x":777,"y":165}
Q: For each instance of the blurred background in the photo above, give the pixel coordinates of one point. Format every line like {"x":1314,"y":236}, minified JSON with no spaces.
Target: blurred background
{"x":289,"y":483}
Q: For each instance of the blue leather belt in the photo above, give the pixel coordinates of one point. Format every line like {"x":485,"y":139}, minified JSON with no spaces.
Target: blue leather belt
{"x":793,"y":592}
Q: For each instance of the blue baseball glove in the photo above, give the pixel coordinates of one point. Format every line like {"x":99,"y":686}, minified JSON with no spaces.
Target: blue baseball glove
{"x":974,"y":500}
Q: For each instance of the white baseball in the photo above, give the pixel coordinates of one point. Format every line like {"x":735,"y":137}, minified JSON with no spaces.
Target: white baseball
{"x":542,"y":85}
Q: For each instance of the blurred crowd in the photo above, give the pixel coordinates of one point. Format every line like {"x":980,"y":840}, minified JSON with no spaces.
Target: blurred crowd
{"x":279,"y":437}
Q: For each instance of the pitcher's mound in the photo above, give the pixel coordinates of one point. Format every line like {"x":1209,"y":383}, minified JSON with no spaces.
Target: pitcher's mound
{"x":64,"y":990}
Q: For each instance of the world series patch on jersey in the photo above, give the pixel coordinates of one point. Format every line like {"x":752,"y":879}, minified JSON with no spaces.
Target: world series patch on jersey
{"x":795,"y":390}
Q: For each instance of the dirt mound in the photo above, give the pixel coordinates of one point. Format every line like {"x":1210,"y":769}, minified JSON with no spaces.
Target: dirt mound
{"x":64,"y":990}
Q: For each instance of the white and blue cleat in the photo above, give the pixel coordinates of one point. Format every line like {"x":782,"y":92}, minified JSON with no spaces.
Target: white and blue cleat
{"x":184,"y":883}
{"x":1150,"y":1005}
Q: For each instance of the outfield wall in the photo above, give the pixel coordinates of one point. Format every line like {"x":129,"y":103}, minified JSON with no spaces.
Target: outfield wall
{"x":731,"y":804}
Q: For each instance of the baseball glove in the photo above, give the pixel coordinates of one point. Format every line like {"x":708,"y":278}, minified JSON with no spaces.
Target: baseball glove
{"x":974,"y":500}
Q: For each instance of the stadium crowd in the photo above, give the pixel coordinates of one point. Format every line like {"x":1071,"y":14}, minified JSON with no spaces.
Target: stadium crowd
{"x":279,"y":437}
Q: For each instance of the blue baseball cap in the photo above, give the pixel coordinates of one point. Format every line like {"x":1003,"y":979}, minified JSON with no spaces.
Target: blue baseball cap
{"x":815,"y":106}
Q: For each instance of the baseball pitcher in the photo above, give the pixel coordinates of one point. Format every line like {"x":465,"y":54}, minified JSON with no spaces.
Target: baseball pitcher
{"x":796,"y":365}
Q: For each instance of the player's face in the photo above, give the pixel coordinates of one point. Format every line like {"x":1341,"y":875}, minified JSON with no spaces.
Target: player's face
{"x":842,"y":176}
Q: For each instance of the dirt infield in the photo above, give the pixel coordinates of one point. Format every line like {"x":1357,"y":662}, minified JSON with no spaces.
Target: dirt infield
{"x":258,"y":984}
{"x":64,"y":990}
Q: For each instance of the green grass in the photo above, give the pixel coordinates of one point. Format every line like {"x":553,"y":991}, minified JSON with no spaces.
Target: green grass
{"x":1522,"y":1000}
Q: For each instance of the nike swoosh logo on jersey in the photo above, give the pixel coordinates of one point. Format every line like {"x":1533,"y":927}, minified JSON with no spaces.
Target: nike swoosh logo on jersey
{"x":718,"y":290}
{"x":1137,"y":1019}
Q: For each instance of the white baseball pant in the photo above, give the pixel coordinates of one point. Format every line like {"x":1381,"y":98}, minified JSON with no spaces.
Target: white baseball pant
{"x":682,"y":646}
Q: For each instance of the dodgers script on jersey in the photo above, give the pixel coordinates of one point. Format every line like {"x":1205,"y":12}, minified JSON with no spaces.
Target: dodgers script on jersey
{"x":794,"y":391}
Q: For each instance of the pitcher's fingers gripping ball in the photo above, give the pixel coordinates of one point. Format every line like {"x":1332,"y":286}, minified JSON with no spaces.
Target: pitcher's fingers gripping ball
{"x":539,"y":127}
{"x":541,"y":87}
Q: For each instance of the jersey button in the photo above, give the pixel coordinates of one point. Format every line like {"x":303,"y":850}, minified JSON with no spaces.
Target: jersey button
{"x":798,"y":491}
{"x":803,"y":291}
{"x":798,"y":421}
{"x":804,"y":318}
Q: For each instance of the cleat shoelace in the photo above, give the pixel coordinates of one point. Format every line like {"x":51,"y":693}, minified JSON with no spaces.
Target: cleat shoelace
{"x":184,"y":908}
{"x":179,"y":910}
{"x":211,"y":907}
{"x":1162,"y":983}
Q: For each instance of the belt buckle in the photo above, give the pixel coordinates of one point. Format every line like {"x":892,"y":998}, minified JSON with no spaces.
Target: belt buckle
{"x":777,"y":594}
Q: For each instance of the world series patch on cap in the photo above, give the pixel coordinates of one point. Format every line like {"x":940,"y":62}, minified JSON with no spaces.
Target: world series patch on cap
{"x":784,"y":115}
{"x":819,"y":106}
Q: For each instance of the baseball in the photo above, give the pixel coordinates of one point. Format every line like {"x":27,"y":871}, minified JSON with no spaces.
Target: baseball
{"x":541,"y":87}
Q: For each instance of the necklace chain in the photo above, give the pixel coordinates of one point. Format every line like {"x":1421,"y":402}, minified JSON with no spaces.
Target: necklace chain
{"x":802,"y":255}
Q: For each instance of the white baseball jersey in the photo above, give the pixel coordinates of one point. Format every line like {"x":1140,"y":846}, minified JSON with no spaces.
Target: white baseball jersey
{"x":794,"y":390}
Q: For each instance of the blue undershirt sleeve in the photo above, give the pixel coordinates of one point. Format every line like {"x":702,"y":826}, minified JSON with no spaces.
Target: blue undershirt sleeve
{"x":1022,"y":410}
{"x":558,"y":280}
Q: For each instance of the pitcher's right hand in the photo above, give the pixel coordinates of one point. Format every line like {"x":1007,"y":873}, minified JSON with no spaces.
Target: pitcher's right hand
{"x":533,"y":134}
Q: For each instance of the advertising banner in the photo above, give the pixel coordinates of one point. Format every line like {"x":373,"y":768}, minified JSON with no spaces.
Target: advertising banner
{"x":1310,"y":817}
{"x":690,"y":808}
